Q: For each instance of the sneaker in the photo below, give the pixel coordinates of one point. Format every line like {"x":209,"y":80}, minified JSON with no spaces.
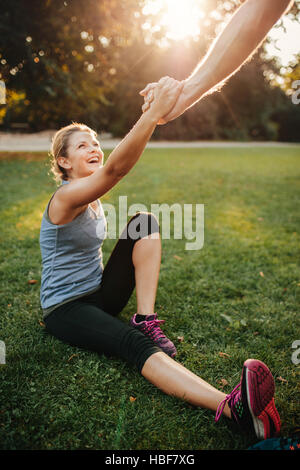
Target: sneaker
{"x":252,"y":401}
{"x":150,"y":327}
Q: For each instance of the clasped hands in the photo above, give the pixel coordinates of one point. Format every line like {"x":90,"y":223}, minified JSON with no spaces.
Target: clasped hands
{"x":178,"y":108}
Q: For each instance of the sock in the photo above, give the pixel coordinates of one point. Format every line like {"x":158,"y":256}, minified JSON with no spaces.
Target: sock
{"x":139,"y":318}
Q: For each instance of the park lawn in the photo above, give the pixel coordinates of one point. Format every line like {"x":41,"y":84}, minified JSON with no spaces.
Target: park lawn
{"x":237,"y":297}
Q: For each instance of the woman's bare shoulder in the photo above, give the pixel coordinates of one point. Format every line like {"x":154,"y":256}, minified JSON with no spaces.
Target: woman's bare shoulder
{"x":60,"y":210}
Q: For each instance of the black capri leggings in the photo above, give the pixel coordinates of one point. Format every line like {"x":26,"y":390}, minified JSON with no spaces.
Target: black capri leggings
{"x":90,"y":322}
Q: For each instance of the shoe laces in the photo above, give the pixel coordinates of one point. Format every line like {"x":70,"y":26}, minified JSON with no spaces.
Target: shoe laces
{"x":152,"y":328}
{"x":233,"y":398}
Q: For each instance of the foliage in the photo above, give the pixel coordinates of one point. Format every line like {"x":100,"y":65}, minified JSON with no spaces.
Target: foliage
{"x":51,"y":50}
{"x":78,"y":60}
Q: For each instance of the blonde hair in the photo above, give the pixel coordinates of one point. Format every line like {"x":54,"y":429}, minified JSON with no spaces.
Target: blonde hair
{"x":59,"y":147}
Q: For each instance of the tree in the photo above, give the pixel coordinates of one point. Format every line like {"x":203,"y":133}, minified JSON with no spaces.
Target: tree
{"x":55,"y":54}
{"x":86,"y":60}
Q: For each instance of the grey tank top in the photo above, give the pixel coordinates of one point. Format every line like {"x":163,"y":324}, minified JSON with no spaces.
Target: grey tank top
{"x":71,"y":257}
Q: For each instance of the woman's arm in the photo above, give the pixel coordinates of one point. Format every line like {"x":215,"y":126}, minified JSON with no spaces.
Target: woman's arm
{"x":85,"y":190}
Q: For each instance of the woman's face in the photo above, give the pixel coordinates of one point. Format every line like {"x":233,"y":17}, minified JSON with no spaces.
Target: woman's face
{"x":84,"y":155}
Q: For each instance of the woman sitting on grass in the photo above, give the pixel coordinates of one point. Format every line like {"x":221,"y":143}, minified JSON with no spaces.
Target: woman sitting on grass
{"x":81,"y":300}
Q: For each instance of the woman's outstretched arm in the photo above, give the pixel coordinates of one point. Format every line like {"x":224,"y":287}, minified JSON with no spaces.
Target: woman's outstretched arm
{"x":84,"y":190}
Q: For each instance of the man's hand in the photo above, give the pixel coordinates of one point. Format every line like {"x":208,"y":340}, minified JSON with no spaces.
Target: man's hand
{"x":163,"y":96}
{"x":180,"y":105}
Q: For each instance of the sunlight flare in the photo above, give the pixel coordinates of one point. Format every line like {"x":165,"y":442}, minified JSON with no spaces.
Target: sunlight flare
{"x":180,"y":19}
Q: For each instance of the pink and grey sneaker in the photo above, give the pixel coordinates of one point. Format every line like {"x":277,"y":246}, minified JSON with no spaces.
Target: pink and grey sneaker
{"x":150,"y":327}
{"x":252,"y":401}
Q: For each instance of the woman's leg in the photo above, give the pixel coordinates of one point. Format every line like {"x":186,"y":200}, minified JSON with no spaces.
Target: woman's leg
{"x":174,"y":379}
{"x":146,"y":257}
{"x":134,"y":263}
{"x":83,"y":324}
{"x":86,"y":326}
{"x":250,"y":404}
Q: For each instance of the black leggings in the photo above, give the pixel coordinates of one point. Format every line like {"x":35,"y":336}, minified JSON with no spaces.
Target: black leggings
{"x":89,"y":322}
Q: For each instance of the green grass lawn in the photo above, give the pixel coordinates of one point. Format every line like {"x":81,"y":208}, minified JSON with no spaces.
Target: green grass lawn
{"x":238,"y":296}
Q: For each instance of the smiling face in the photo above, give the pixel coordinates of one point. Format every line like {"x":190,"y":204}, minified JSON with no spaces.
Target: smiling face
{"x":84,"y":155}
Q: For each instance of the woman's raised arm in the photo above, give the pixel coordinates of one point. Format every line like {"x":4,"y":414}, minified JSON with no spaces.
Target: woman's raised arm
{"x":84,"y":190}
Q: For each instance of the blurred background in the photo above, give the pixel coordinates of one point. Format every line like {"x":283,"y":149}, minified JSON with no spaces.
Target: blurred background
{"x":86,"y":61}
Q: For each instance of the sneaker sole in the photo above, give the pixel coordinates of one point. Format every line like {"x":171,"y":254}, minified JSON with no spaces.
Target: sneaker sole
{"x":260,"y":389}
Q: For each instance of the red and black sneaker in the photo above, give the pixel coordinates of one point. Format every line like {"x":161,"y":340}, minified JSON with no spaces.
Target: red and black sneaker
{"x":252,"y":401}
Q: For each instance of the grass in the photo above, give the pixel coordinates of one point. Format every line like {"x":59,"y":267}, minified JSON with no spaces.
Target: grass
{"x":238,"y":296}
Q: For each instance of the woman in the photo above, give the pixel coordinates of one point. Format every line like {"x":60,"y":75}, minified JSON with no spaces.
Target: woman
{"x":80,"y":299}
